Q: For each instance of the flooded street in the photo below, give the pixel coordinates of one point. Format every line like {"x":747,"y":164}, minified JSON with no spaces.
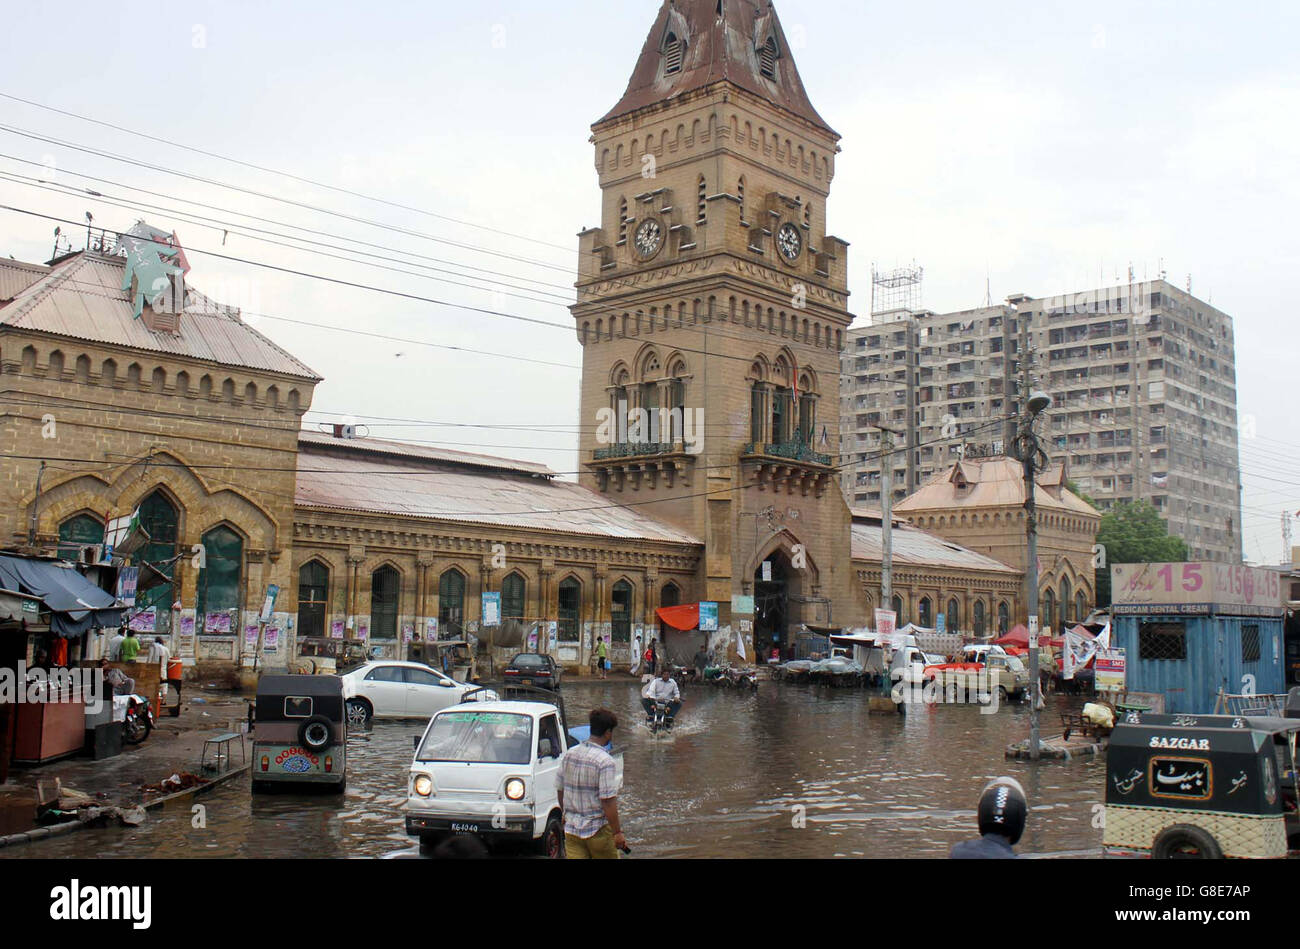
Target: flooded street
{"x":791,"y":771}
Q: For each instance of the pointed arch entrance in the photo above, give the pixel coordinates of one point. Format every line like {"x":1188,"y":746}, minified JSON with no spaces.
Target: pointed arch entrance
{"x":778,"y":589}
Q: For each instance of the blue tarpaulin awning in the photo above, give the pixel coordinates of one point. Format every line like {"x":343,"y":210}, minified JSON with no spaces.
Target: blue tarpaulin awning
{"x":74,"y":603}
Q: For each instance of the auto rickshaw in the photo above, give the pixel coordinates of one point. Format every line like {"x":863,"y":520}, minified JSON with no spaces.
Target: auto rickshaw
{"x":1201,"y":786}
{"x":300,"y":732}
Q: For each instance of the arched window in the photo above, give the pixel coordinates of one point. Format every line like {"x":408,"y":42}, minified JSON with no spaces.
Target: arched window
{"x":1080,"y":606}
{"x":622,"y":229}
{"x":978,"y":611}
{"x":570,"y":609}
{"x":670,"y":595}
{"x":385,"y":600}
{"x":896,"y":604}
{"x":1049,"y":611}
{"x":953,"y":619}
{"x":77,"y":532}
{"x":220,"y":583}
{"x":158,"y":517}
{"x":513,"y":589}
{"x":740,"y":194}
{"x":924,"y":613}
{"x":451,"y":604}
{"x":1004,"y":618}
{"x":702,"y":201}
{"x":313,"y":598}
{"x":1067,"y":601}
{"x":620,"y":612}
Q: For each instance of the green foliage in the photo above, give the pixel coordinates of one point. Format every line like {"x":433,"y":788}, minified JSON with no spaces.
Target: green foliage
{"x":1135,"y":532}
{"x":1073,"y":487}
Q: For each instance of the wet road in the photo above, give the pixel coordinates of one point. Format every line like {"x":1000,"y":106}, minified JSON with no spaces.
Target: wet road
{"x":792,"y":771}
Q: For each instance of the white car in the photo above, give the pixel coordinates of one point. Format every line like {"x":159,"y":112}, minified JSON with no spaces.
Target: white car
{"x":383,"y":689}
{"x":488,"y":769}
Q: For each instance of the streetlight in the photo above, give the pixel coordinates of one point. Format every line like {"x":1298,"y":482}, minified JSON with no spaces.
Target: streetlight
{"x":1031,"y":455}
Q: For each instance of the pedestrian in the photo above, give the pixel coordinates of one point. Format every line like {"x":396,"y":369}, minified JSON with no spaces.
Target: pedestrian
{"x":602,"y":654}
{"x":702,"y":660}
{"x":636,"y":655}
{"x":130,"y":647}
{"x":586,"y":786}
{"x":651,"y":657}
{"x":159,"y":654}
{"x":115,"y":645}
{"x":1003,"y":810}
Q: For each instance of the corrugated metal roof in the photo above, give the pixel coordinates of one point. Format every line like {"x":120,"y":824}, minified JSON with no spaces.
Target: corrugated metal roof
{"x":82,"y":299}
{"x":381,"y":446}
{"x":919,"y":548}
{"x":993,"y":482}
{"x":380,"y":484}
{"x":718,"y":49}
{"x":16,"y":276}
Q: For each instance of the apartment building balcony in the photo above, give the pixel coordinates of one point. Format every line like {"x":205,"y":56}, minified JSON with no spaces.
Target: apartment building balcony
{"x":634,"y":464}
{"x":788,"y":466}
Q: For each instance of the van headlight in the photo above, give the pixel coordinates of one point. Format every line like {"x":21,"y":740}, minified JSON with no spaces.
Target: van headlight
{"x":515,"y":789}
{"x":423,"y":785}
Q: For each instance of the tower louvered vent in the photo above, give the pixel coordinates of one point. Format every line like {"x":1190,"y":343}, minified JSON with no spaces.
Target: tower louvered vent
{"x":767,"y":59}
{"x":673,"y":52}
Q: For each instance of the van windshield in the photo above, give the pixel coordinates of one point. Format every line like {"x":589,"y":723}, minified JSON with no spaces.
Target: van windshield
{"x":484,"y":737}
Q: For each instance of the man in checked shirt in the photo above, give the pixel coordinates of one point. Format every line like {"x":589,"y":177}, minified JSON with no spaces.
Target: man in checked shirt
{"x":587,"y":788}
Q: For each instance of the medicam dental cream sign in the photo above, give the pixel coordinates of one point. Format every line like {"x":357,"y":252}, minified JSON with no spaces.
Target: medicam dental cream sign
{"x":1195,"y":588}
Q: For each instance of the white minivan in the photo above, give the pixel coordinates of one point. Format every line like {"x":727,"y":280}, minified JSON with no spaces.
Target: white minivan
{"x":489,"y":769}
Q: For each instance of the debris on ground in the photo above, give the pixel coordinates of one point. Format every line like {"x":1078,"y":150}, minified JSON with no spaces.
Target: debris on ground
{"x":180,"y":781}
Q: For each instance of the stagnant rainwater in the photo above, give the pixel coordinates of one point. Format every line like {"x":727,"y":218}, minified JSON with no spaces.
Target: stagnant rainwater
{"x":789,"y":771}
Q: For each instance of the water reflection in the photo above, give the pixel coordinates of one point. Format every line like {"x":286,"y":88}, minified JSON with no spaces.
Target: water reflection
{"x":789,"y":771}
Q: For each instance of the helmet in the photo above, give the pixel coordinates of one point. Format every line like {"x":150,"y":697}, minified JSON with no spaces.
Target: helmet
{"x":1003,"y":809}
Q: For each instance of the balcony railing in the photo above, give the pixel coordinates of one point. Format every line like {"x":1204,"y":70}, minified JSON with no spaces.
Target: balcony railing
{"x":637,"y":450}
{"x":795,"y":451}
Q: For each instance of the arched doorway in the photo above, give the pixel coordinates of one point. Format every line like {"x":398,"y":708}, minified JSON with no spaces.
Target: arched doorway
{"x":775,"y":605}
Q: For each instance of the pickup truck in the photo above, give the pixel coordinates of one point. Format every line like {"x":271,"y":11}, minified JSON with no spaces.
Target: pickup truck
{"x":981,"y":671}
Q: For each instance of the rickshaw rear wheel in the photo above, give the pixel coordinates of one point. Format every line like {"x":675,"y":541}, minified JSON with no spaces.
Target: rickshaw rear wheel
{"x":317,"y":725}
{"x":1185,"y":842}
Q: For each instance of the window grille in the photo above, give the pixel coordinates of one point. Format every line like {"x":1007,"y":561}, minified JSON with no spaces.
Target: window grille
{"x":1250,"y":642}
{"x":1162,"y":641}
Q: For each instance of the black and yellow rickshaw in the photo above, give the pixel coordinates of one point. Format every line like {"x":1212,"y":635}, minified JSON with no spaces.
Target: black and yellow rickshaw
{"x":1201,"y":786}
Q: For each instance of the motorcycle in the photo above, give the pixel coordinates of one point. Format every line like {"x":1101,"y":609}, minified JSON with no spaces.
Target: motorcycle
{"x":659,"y":718}
{"x":138,"y":722}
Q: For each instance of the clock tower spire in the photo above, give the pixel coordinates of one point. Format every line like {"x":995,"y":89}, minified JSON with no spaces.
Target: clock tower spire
{"x":712,"y":307}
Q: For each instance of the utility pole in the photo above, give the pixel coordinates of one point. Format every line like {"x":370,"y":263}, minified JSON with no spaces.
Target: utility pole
{"x":1033,"y":458}
{"x":886,"y":516}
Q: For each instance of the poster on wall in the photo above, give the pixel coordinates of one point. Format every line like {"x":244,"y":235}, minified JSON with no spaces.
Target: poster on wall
{"x":250,"y":636}
{"x":128,"y":580}
{"x":431,"y":628}
{"x":363,"y":629}
{"x":408,"y":633}
{"x":742,"y":605}
{"x":271,"y":640}
{"x":886,"y":621}
{"x":552,"y":634}
{"x":336,"y":629}
{"x":491,"y":610}
{"x":708,"y":617}
{"x":1109,"y":670}
{"x":217,"y":623}
{"x":532,"y":640}
{"x":145,"y":622}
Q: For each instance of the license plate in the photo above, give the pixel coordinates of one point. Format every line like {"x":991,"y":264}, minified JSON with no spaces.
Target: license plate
{"x":526,"y":681}
{"x":464,"y":828}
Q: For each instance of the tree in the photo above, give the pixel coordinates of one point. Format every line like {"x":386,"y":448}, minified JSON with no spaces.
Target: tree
{"x":1134,"y":532}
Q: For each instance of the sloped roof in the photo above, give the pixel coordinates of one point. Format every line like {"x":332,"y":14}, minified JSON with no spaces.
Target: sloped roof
{"x":918,"y":548}
{"x":16,"y":276}
{"x":396,"y":449}
{"x":993,"y":482}
{"x":718,"y":49}
{"x":82,"y":298}
{"x":343,"y":479}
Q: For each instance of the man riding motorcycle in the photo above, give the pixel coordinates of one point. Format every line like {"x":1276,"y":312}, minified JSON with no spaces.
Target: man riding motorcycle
{"x":662,"y":689}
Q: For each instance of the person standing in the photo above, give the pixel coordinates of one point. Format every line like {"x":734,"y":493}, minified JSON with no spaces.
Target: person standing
{"x":586,"y":787}
{"x":130,"y":647}
{"x":602,"y":657}
{"x":115,"y":646}
{"x":702,"y":660}
{"x":159,"y":654}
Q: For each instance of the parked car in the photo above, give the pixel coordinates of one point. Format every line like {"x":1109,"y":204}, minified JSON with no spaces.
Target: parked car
{"x":392,"y":689}
{"x":530,"y":668}
{"x":488,"y":769}
{"x":1201,"y":786}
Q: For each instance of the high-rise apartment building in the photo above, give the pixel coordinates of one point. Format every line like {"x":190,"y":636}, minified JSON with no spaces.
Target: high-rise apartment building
{"x":1143,"y":380}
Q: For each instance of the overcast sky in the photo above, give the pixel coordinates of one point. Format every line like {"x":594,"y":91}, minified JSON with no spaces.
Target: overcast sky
{"x":1037,"y":148}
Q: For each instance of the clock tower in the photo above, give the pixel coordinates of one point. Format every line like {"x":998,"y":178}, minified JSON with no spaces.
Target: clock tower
{"x":712,"y":307}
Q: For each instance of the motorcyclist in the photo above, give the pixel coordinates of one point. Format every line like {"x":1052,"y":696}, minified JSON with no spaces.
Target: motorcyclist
{"x":1003,"y":810}
{"x":662,"y":689}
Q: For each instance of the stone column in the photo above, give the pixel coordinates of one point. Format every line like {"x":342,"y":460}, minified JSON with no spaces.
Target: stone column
{"x":356,"y":556}
{"x":424,"y":569}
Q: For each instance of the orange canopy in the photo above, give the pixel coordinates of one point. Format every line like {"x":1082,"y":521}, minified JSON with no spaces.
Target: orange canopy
{"x":684,"y":617}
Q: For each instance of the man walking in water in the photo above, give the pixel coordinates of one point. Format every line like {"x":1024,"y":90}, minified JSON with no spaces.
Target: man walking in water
{"x":586,"y":787}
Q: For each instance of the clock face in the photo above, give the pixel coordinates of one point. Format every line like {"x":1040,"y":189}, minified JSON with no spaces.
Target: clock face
{"x":789,"y":241}
{"x":649,"y":237}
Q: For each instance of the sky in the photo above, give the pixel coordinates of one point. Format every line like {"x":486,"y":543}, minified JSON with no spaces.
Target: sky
{"x":1005,"y":147}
